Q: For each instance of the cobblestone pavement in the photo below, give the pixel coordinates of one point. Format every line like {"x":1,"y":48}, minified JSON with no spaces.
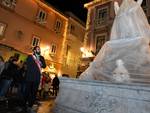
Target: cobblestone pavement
{"x":44,"y":106}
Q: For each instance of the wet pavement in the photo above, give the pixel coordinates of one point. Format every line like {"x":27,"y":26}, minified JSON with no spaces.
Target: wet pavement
{"x":12,"y":105}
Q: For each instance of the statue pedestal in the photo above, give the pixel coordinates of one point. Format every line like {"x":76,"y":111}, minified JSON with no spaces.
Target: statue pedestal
{"x":78,"y":96}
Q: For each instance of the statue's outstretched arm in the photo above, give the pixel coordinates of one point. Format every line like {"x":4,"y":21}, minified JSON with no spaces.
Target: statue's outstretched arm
{"x":139,"y":2}
{"x":116,"y":7}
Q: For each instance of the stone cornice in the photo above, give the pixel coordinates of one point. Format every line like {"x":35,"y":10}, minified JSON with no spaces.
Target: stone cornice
{"x":96,"y":2}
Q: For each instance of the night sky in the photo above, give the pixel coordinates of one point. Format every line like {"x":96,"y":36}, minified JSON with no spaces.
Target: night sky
{"x":74,"y":6}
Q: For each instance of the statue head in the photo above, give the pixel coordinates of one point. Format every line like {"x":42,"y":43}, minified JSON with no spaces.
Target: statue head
{"x":119,"y":62}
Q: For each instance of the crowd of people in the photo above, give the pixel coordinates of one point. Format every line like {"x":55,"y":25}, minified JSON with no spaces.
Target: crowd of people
{"x":27,"y":78}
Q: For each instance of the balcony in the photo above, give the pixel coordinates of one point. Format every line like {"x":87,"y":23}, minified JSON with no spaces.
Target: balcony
{"x":100,"y":22}
{"x":8,"y":3}
{"x":40,"y":21}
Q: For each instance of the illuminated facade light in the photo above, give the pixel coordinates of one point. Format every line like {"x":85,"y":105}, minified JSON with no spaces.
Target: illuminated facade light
{"x":86,"y":53}
{"x":41,"y":3}
{"x":52,"y":69}
{"x":96,"y":2}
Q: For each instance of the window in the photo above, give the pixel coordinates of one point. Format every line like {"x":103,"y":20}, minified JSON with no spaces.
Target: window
{"x":72,"y":28}
{"x":68,"y":56}
{"x":144,"y":6}
{"x":149,"y":19}
{"x":67,"y":50}
{"x":102,"y":15}
{"x":9,"y":3}
{"x":58,"y":26}
{"x":2,"y":28}
{"x":53,"y":49}
{"x":100,"y":40}
{"x":144,"y":3}
{"x":145,"y":10}
{"x":41,"y":17}
{"x":35,"y":41}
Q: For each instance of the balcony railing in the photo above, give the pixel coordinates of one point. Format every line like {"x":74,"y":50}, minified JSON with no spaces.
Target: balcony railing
{"x":100,"y":22}
{"x":8,"y":3}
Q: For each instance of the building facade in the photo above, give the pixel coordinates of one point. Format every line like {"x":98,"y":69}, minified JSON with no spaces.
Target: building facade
{"x":75,"y":38}
{"x":27,"y":23}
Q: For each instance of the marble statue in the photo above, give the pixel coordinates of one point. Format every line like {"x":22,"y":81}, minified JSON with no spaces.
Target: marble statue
{"x":129,"y":41}
{"x":130,"y":21}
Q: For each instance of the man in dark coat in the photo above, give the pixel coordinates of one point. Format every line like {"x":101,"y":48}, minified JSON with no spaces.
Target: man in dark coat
{"x":9,"y":73}
{"x":55,"y":84}
{"x":34,"y":64}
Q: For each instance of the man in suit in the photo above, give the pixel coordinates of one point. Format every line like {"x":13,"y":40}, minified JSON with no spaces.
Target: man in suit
{"x":34,"y":64}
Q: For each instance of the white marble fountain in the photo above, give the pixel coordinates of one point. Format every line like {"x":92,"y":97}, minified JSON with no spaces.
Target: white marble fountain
{"x":117,"y":81}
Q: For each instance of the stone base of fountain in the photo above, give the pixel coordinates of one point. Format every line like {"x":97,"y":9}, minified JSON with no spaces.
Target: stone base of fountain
{"x":80,"y":96}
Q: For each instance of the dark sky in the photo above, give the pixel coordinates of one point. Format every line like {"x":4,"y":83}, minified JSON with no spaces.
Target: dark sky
{"x":75,"y":6}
